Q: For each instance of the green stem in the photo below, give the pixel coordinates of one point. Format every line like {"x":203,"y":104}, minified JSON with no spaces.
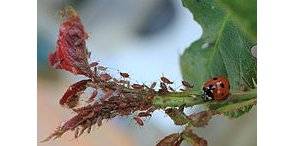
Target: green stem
{"x":191,"y":98}
{"x":177,"y":99}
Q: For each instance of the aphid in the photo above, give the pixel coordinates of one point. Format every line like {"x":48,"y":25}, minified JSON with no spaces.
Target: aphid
{"x":77,"y":130}
{"x":89,"y":128}
{"x":115,"y":80}
{"x":112,"y":115}
{"x":93,"y":95}
{"x":150,"y":96}
{"x":153,"y":85}
{"x":106,"y":95}
{"x":139,"y":121}
{"x":163,"y":86}
{"x":102,"y":68}
{"x":84,"y":127}
{"x":94,"y":121}
{"x":95,"y":70}
{"x":124,"y":112}
{"x":137,"y":86}
{"x":166,"y":80}
{"x":187,"y":84}
{"x":93,"y":64}
{"x":124,"y":75}
{"x":113,"y":98}
{"x":151,"y":109}
{"x":75,"y":121}
{"x":82,"y":109}
{"x":122,"y":105}
{"x":89,"y":54}
{"x":105,"y":77}
{"x":172,"y":89}
{"x":144,"y":114}
{"x":99,"y":121}
{"x":124,"y":82}
{"x":97,"y":107}
{"x":182,"y":107}
{"x":217,"y":88}
{"x":243,"y":87}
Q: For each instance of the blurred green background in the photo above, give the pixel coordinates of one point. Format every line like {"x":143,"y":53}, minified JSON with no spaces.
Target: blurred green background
{"x":142,"y":37}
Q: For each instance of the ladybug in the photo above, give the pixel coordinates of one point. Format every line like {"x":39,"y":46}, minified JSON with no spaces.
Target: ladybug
{"x":217,"y":88}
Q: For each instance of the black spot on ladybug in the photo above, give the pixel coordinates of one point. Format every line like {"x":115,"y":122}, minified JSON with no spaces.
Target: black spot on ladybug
{"x":222,"y":94}
{"x":222,"y":85}
{"x":215,"y":78}
{"x":210,"y":86}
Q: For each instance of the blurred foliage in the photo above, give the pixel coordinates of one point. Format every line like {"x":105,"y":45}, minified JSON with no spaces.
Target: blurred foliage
{"x":43,"y":47}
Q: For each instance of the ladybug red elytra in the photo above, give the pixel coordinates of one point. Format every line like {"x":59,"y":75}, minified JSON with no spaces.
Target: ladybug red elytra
{"x":217,"y":88}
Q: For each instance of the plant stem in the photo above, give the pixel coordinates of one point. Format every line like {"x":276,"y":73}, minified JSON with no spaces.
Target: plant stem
{"x":191,"y":98}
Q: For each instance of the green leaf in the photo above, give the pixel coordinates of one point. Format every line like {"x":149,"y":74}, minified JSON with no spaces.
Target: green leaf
{"x":223,"y":49}
{"x":245,"y":12}
{"x":229,"y":32}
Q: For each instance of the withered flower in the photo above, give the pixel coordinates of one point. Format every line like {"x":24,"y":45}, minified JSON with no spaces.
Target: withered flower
{"x":71,"y":53}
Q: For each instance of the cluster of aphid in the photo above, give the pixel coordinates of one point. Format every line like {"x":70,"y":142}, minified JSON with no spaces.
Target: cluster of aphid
{"x":111,"y":97}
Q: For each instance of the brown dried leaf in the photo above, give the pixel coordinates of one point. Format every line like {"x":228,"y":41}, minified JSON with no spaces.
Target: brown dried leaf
{"x":202,"y":118}
{"x":174,"y":139}
{"x":193,"y":138}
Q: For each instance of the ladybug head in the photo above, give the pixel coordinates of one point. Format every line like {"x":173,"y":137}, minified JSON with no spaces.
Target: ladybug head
{"x":207,"y":94}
